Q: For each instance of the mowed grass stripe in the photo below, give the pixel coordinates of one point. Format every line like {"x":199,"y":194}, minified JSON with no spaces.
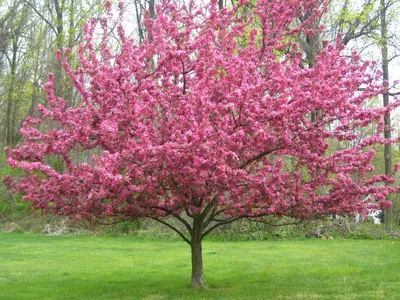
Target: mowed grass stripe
{"x":42,"y":267}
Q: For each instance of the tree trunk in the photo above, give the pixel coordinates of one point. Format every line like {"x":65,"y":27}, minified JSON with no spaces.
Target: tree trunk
{"x":197,"y":256}
{"x":11,"y":107}
{"x":58,"y":70}
{"x":152,"y":9}
{"x":197,"y":265}
{"x":387,"y":132}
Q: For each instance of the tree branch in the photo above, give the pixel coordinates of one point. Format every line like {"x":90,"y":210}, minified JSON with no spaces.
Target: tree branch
{"x":220,"y":223}
{"x":184,"y":77}
{"x":188,"y":213}
{"x":262,"y":154}
{"x":208,"y":207}
{"x":173,"y":228}
{"x":178,"y":217}
{"x":213,"y":214}
{"x":42,"y":17}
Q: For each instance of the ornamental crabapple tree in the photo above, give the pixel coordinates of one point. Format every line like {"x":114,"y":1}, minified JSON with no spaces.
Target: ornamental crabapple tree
{"x":198,"y":122}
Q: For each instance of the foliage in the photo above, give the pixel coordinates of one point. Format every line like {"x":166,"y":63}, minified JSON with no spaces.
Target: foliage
{"x":9,"y":204}
{"x":368,"y":231}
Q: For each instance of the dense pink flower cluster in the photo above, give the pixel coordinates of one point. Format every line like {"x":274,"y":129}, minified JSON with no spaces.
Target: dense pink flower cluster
{"x":213,"y":110}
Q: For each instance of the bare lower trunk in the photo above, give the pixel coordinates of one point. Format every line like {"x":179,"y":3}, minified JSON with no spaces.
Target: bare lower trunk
{"x":197,"y":265}
{"x":197,"y":256}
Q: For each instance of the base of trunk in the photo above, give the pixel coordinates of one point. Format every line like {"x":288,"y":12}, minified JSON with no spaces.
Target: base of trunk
{"x":197,"y":282}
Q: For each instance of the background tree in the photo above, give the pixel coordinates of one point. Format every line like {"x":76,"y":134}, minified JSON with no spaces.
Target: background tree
{"x":16,"y":27}
{"x":373,"y":26}
{"x":384,"y":47}
{"x":370,"y":27}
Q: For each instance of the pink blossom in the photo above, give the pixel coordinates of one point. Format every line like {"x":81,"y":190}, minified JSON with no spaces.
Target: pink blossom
{"x":191,"y":120}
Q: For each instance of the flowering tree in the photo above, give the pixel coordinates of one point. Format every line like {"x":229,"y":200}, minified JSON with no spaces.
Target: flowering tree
{"x":200,"y":121}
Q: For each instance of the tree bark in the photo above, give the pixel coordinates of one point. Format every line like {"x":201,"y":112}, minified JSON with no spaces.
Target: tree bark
{"x":387,"y":131}
{"x":197,"y":256}
{"x":58,"y":88}
{"x":152,"y":9}
{"x":11,"y":107}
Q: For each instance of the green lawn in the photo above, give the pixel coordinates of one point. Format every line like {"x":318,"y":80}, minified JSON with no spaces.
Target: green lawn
{"x":41,"y":267}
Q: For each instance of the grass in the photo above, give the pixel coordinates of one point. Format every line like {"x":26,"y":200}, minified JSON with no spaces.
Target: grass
{"x":44,"y":267}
